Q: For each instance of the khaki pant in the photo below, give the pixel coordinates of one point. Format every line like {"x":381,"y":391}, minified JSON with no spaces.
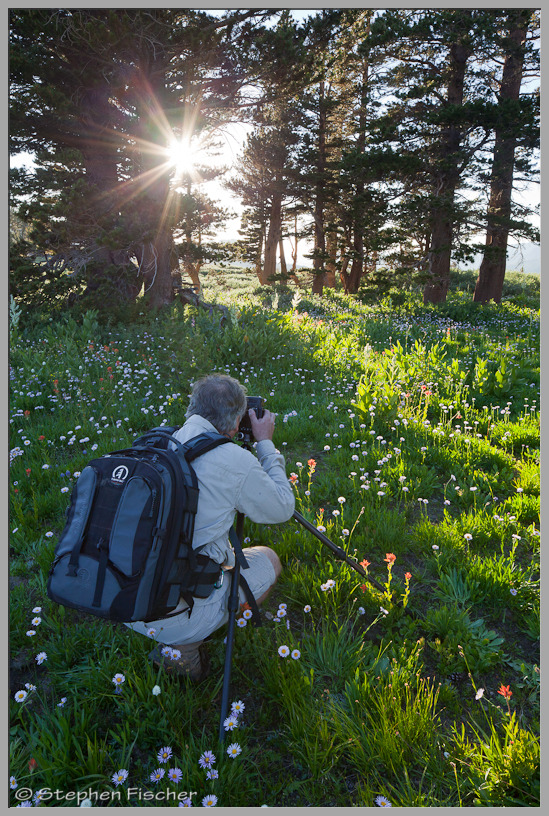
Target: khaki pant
{"x":209,"y":613}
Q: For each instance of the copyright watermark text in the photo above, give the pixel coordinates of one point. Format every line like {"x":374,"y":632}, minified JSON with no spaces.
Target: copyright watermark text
{"x":54,"y":795}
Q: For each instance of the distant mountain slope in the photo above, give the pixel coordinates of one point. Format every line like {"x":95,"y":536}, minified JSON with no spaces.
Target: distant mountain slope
{"x":526,"y":258}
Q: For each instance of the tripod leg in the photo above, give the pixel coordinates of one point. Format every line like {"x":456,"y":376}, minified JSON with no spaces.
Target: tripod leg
{"x":233,"y":607}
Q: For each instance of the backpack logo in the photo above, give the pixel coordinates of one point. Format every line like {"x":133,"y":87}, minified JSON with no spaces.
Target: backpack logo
{"x":119,"y":474}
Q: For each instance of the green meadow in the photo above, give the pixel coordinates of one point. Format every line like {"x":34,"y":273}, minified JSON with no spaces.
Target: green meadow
{"x":411,"y":438}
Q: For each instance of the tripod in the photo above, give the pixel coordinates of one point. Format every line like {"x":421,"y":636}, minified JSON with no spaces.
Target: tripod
{"x":233,"y":607}
{"x":233,"y":600}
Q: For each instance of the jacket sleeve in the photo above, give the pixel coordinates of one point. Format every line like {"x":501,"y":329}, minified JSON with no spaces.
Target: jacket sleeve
{"x":266,"y":495}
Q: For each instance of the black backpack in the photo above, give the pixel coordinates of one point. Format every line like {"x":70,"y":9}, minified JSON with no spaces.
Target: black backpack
{"x":126,"y":553}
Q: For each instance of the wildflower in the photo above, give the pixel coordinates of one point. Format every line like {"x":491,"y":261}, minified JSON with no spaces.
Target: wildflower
{"x":390,"y":558}
{"x":296,"y":654}
{"x":241,"y":622}
{"x":64,"y":490}
{"x":86,"y":803}
{"x":13,"y":782}
{"x":342,"y":499}
{"x":156,"y":690}
{"x":20,"y":696}
{"x":237,"y":707}
{"x":307,"y":608}
{"x":164,"y":754}
{"x":185,"y":803}
{"x":385,"y":611}
{"x":207,"y":759}
{"x":209,"y":801}
{"x":118,"y":679}
{"x":151,"y":632}
{"x":36,"y":621}
{"x":212,"y":774}
{"x":30,"y":633}
{"x":505,"y":691}
{"x":435,"y":547}
{"x":41,"y":657}
{"x":513,"y":591}
{"x":281,"y":613}
{"x":283,"y":651}
{"x":234,"y":749}
{"x":365,"y":564}
{"x":321,"y":528}
{"x":381,"y":801}
{"x":230,"y":722}
{"x":49,"y":534}
{"x":24,"y":804}
{"x":175,"y":775}
{"x":175,"y":654}
{"x":407,"y":575}
{"x":40,"y":796}
{"x":247,"y":614}
{"x":30,"y":687}
{"x":468,"y":537}
{"x":120,"y":776}
{"x":157,"y":775}
{"x":479,"y":694}
{"x":61,"y":703}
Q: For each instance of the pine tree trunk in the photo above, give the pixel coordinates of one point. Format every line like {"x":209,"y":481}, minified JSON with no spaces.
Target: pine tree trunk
{"x":259,"y":269}
{"x":331,"y":249}
{"x":273,"y":235}
{"x":157,"y":271}
{"x":442,"y":212}
{"x":357,"y":264}
{"x":318,"y":216}
{"x":283,"y":267}
{"x":294,"y":247}
{"x":158,"y":215}
{"x":489,"y":285}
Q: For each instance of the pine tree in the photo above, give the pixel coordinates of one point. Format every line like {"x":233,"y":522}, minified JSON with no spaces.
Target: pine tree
{"x":515,"y":123}
{"x":97,"y":94}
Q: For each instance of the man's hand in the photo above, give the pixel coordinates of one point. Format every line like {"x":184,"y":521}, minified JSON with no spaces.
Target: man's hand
{"x":262,"y":428}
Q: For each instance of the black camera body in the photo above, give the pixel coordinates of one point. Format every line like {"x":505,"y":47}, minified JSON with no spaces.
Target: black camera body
{"x":245,"y":433}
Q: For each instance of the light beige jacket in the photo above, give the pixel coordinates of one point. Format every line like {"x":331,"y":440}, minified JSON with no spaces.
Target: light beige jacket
{"x":231,"y":478}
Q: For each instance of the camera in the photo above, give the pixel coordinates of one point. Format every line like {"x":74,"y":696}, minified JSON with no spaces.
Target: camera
{"x":244,"y":433}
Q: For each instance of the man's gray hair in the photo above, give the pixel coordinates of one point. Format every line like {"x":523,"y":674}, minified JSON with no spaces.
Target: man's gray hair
{"x":220,"y":399}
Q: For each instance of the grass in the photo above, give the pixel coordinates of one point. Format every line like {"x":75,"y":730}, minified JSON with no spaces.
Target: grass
{"x":408,"y":431}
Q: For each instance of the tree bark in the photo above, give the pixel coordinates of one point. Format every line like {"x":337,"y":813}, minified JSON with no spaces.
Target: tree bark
{"x":357,"y":264}
{"x":283,"y":267}
{"x":331,"y":249}
{"x":442,"y":212}
{"x":489,"y":285}
{"x":294,"y":247}
{"x":273,"y":234}
{"x":318,"y":216}
{"x":157,"y":211}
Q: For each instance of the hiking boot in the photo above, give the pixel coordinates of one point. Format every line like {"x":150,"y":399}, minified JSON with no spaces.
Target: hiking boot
{"x":189,"y":660}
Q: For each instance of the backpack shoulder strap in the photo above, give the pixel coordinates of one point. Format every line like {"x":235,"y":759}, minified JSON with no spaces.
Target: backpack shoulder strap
{"x":202,"y":444}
